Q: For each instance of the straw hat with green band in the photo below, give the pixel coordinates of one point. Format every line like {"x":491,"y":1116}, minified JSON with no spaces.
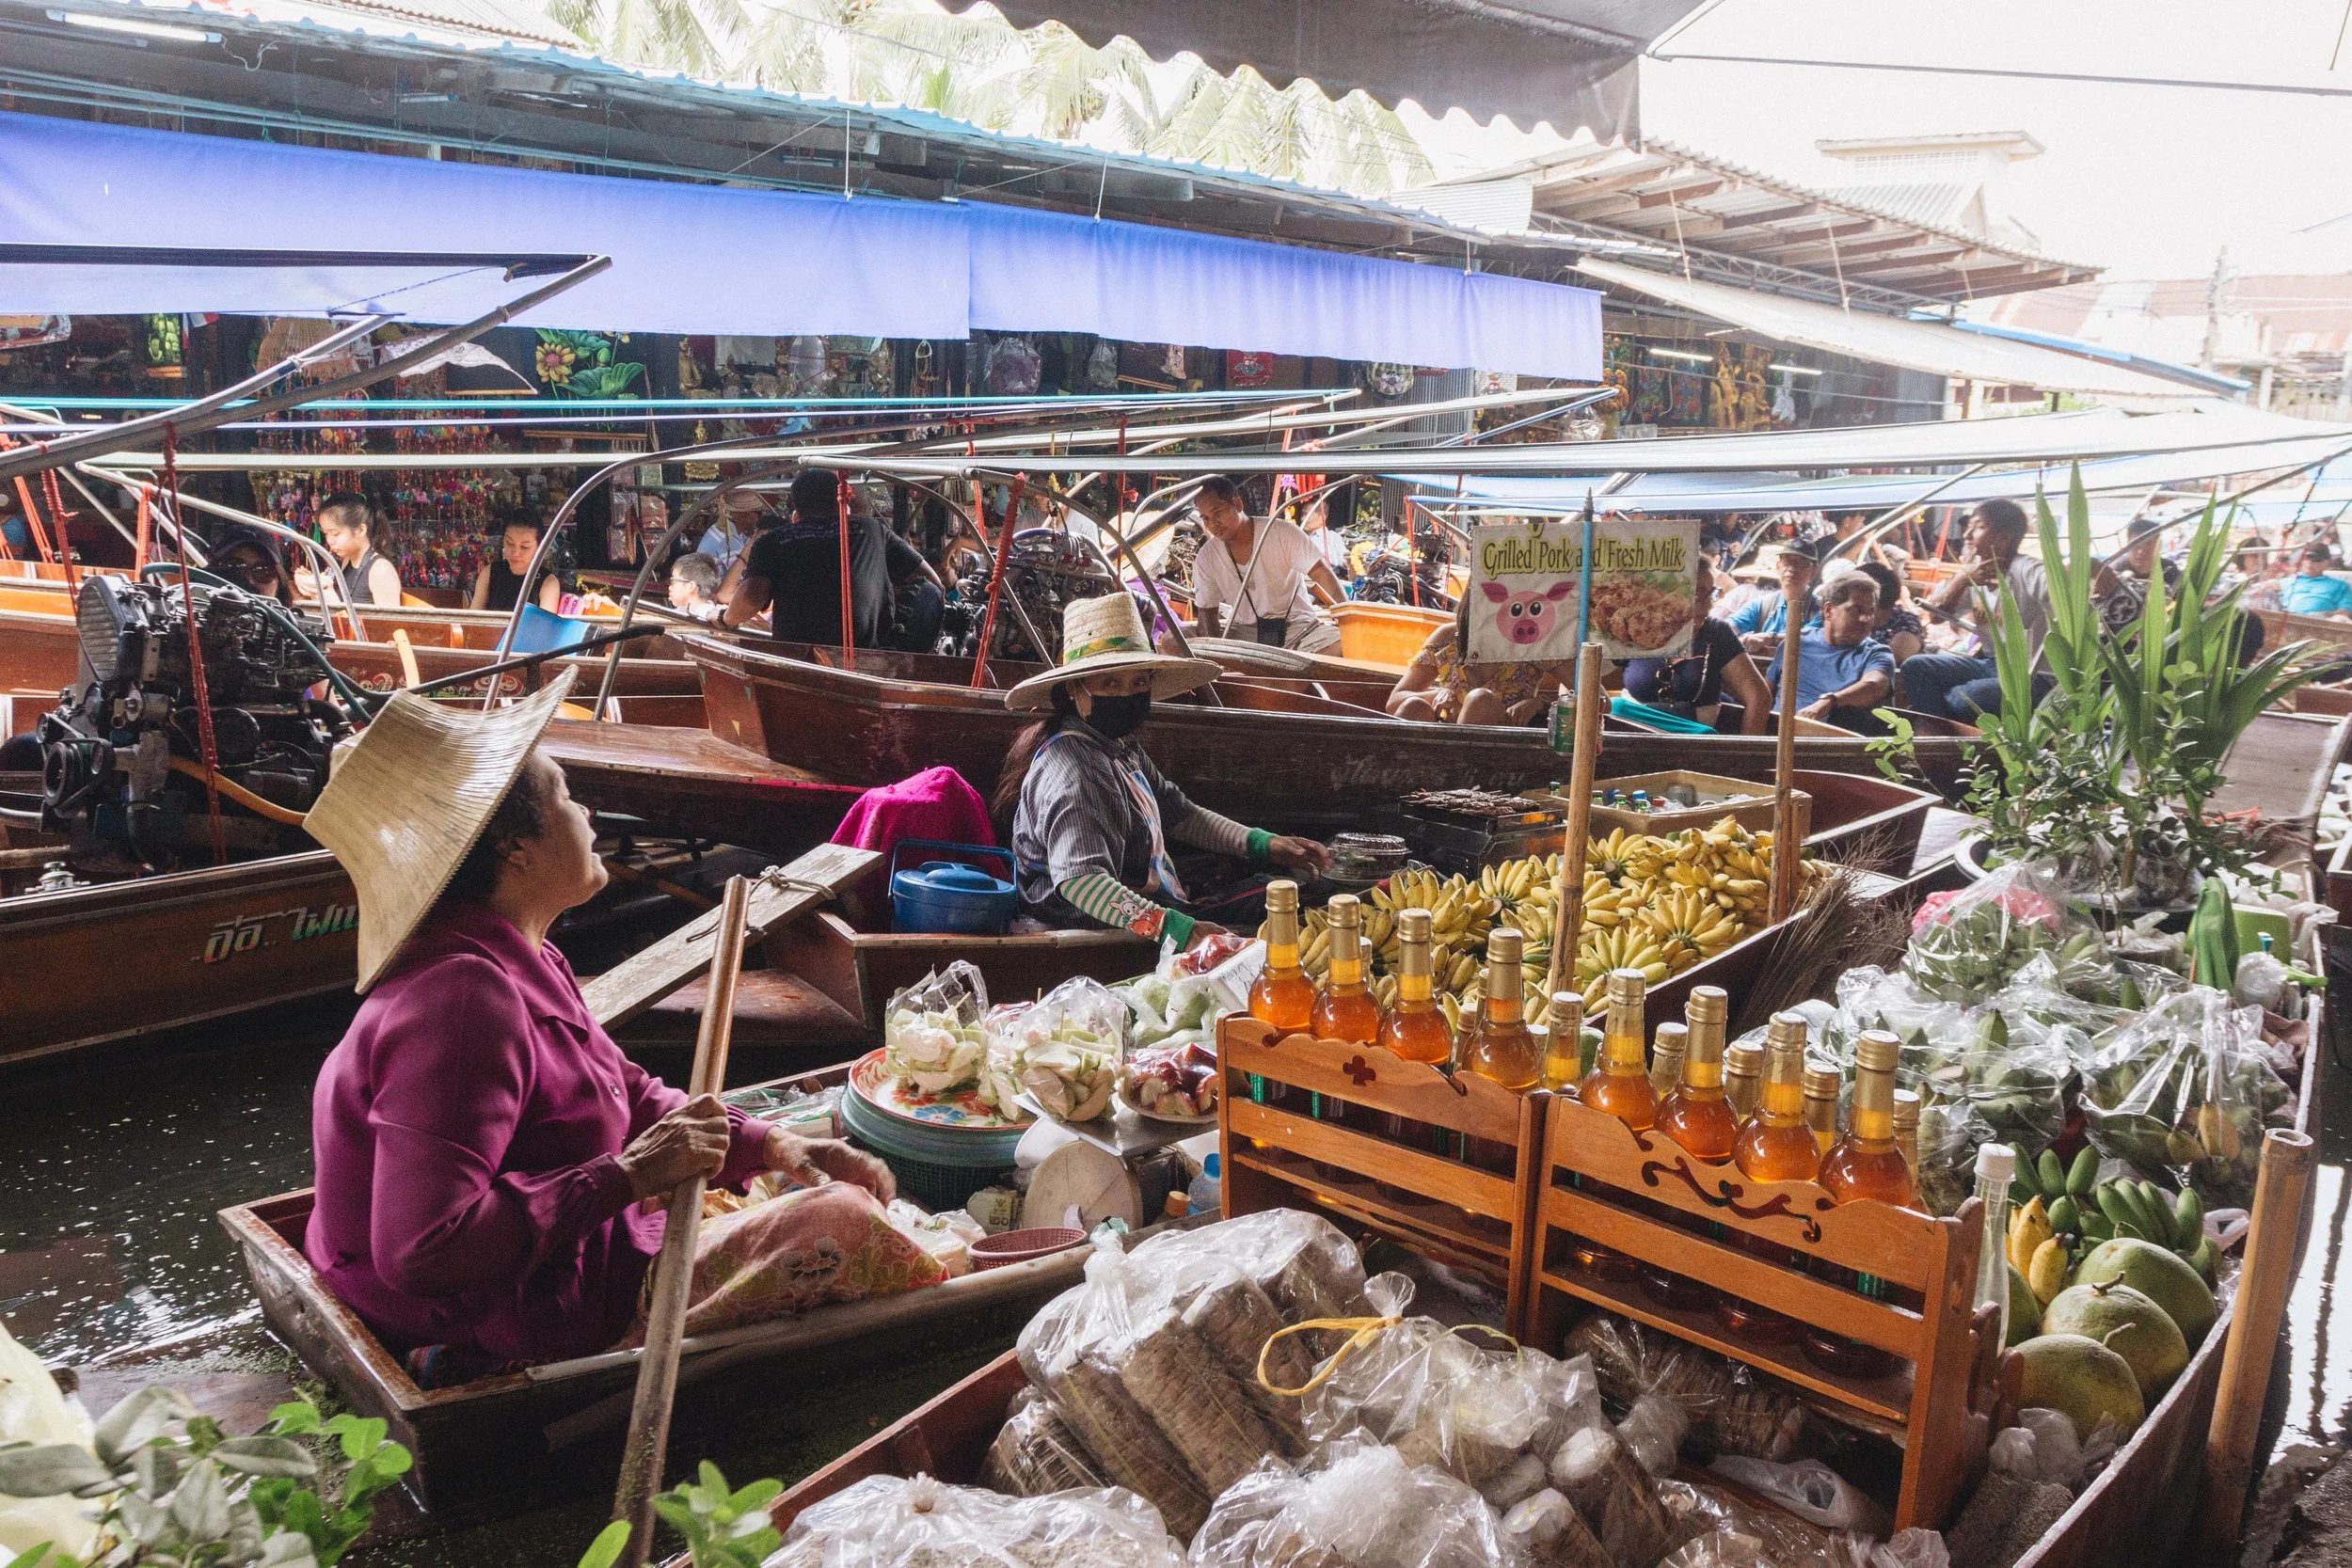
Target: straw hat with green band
{"x":407,"y":800}
{"x":1100,"y":635}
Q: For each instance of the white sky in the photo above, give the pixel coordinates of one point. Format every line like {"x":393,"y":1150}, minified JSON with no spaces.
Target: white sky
{"x":2147,"y":182}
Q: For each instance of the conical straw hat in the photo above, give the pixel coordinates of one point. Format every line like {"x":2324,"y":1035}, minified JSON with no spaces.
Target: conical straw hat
{"x":1104,"y":634}
{"x":409,"y":798}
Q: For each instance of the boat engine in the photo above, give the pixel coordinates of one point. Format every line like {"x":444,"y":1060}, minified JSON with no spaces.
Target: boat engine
{"x":109,"y":748}
{"x":1045,"y":571}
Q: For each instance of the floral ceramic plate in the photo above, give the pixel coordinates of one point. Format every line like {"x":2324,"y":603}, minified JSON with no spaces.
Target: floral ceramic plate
{"x":903,"y":1103}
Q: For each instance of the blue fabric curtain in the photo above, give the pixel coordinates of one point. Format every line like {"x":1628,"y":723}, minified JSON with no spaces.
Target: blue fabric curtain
{"x":699,"y":259}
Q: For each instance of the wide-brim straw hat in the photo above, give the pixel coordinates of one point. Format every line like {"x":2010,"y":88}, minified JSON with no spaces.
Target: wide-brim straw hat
{"x":409,"y":798}
{"x":1099,"y":636}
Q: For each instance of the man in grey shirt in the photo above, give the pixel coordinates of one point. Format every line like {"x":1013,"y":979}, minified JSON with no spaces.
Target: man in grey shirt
{"x":1963,"y":685}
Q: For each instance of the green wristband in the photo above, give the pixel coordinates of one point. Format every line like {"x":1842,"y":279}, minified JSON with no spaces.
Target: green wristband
{"x":1177,"y":928}
{"x":1259,"y":843}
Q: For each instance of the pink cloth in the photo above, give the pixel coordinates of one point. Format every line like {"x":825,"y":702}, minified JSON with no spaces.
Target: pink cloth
{"x":465,"y":1134}
{"x":934,"y":804}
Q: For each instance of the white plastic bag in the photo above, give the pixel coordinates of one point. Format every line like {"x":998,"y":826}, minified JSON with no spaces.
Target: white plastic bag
{"x":33,"y":1411}
{"x":1809,"y":1489}
{"x":892,"y":1522}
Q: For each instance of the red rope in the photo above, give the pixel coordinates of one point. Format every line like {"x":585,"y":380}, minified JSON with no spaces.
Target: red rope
{"x":146,"y":536}
{"x":65,"y":539}
{"x":996,"y":581}
{"x":208,"y":747}
{"x":848,"y":620}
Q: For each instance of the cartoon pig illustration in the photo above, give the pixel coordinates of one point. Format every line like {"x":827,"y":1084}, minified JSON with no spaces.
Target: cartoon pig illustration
{"x":1522,"y":617}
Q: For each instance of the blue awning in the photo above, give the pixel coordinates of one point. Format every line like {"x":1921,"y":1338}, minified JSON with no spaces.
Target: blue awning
{"x":702,"y":258}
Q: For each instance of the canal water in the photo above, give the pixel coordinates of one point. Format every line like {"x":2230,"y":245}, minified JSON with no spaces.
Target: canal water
{"x":109,"y":1253}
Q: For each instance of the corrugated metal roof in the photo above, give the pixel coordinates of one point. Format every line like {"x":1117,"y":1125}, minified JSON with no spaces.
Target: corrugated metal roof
{"x":1938,"y":205}
{"x":495,"y":19}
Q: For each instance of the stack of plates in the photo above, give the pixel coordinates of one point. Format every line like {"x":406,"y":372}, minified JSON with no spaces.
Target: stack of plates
{"x":942,"y":1148}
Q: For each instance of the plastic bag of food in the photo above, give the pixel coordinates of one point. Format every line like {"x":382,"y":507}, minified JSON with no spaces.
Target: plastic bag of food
{"x":33,"y":1410}
{"x":2184,"y":1090}
{"x":1301,"y":1260}
{"x":893,"y":1522}
{"x":1872,"y":998}
{"x":1171,"y":1080}
{"x":1064,"y":1048}
{"x":1654,"y":1430}
{"x":1965,"y":945}
{"x":1036,"y":1452}
{"x":1470,"y":1405}
{"x":1714,"y":1525}
{"x":1807,"y":1488}
{"x":1950,"y":1133}
{"x":931,"y":1030}
{"x":1732,"y":1409}
{"x":1365,"y":1507}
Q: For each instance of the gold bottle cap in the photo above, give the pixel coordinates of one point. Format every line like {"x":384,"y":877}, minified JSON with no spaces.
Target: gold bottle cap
{"x":1784,"y":1029}
{"x":1505,"y":944}
{"x":1823,"y":1083}
{"x":1627,"y":985}
{"x":1567,"y":1011}
{"x":1539,"y":1038}
{"x":1281,"y":894}
{"x":1413,"y":926}
{"x":1708,"y":1005}
{"x":1877,"y":1051}
{"x":1672,"y":1039}
{"x":1345,"y":910}
{"x":1744,"y":1061}
{"x":1906,"y":1108}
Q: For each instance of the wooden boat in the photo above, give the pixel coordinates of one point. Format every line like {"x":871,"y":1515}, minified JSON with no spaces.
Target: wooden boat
{"x":2148,"y":1491}
{"x":470,"y":1441}
{"x":1289,"y":760}
{"x":859,"y":970}
{"x":37,"y":650}
{"x":173,"y":950}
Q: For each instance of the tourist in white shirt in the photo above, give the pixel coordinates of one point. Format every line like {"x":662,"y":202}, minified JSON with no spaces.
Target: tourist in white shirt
{"x":1251,"y":579}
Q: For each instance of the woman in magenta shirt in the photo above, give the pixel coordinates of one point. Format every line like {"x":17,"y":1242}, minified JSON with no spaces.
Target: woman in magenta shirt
{"x":483,"y":1148}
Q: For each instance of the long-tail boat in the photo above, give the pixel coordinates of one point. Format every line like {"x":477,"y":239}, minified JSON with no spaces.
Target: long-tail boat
{"x":1310,"y":757}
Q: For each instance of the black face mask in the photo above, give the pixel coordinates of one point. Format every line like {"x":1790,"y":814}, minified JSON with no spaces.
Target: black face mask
{"x":1114,"y":717}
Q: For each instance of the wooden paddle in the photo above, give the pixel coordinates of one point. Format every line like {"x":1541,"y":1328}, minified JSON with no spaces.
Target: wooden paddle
{"x":648,"y":1440}
{"x":2265,"y":1282}
{"x":1787,"y":837}
{"x":1567,"y":923}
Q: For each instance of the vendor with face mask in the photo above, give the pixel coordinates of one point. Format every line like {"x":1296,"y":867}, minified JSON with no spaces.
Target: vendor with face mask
{"x":1092,"y":820}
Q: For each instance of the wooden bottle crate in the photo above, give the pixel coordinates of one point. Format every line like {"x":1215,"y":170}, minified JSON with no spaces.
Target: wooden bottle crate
{"x":1623,"y":1179}
{"x":1468,"y":1217}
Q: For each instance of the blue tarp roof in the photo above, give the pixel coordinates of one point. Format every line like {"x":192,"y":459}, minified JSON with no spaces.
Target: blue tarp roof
{"x":697,"y":259}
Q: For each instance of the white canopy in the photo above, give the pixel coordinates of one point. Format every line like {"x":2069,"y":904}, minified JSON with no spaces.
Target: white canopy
{"x":1917,"y":345}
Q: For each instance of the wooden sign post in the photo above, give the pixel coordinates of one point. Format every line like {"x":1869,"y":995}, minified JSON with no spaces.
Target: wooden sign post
{"x":1567,"y":923}
{"x":648,"y":1439}
{"x":1788,"y":834}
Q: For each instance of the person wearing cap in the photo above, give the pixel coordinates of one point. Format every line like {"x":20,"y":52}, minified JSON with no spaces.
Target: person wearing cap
{"x":2312,"y":591}
{"x":1762,"y":622}
{"x":2138,"y":566}
{"x":1843,"y":673}
{"x":485,"y":1153}
{"x":793,"y":568}
{"x":1092,"y":818}
{"x":1963,"y":685}
{"x":252,"y":559}
{"x":740,"y":514}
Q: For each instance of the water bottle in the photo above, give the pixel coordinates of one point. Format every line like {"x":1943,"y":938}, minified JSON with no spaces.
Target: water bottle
{"x":1996,"y":1167}
{"x":1207,"y":1194}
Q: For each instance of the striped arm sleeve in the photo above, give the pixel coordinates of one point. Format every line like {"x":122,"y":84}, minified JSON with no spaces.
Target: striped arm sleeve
{"x":1111,"y":901}
{"x":1204,"y":829}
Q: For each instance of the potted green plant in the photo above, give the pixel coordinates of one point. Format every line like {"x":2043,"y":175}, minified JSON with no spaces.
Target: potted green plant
{"x":2108,"y":775}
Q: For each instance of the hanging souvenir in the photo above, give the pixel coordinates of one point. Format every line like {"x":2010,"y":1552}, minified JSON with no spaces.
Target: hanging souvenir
{"x":1172,"y":360}
{"x":32,"y":331}
{"x":1014,"y":367}
{"x":1246,"y":368}
{"x":805,"y":376}
{"x":1388,"y":380}
{"x":1496,"y":380}
{"x":1102,"y":367}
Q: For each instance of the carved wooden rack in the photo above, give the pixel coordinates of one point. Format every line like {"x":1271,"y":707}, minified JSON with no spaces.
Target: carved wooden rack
{"x":1784,"y":1246}
{"x":1475,"y":1217}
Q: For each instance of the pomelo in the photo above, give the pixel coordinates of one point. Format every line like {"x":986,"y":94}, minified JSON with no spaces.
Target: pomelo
{"x":2084,"y":1381}
{"x":2128,"y":1323}
{"x":2164,"y":1276}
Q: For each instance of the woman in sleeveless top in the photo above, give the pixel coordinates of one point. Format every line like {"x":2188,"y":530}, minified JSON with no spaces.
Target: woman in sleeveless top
{"x":1440,"y":684}
{"x":348,"y":527}
{"x":500,"y":582}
